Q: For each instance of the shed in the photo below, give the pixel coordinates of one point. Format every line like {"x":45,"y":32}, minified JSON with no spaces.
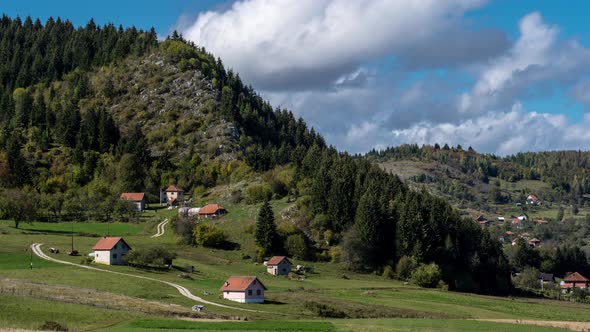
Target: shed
{"x":137,"y":199}
{"x":278,"y":265}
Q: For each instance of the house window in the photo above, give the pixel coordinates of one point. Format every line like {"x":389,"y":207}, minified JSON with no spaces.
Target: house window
{"x":249,"y":292}
{"x":226,"y":292}
{"x":258,"y":292}
{"x":114,"y":256}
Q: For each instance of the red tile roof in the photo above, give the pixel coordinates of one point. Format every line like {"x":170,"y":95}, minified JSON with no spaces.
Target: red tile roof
{"x":576,"y":277}
{"x":107,"y":243}
{"x":133,"y":196}
{"x":211,"y":209}
{"x":534,"y":240}
{"x":509,"y":233}
{"x":540,"y":221}
{"x":173,"y":189}
{"x":276,"y":260}
{"x":239,"y":284}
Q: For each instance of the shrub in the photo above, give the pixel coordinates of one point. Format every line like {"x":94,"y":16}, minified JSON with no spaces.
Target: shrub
{"x":388,"y":272}
{"x":279,"y":189}
{"x":296,"y":246}
{"x":335,"y":253}
{"x":257,"y":193}
{"x":427,"y":275}
{"x":154,"y":256}
{"x":86,"y":260}
{"x":51,"y":325}
{"x":404,"y":268}
{"x":323,"y":310}
{"x":209,"y":236}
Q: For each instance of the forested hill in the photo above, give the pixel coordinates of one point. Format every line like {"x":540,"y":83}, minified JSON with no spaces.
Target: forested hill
{"x":125,"y":113}
{"x":565,"y":173}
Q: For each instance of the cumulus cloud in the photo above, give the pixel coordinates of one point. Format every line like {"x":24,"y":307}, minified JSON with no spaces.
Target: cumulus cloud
{"x":533,"y":66}
{"x":371,"y":74}
{"x":307,"y":44}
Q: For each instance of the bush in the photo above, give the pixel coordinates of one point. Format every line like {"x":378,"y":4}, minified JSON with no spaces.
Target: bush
{"x":209,"y":236}
{"x":335,"y":253}
{"x":154,"y":256}
{"x":86,"y":260}
{"x":404,"y":268}
{"x":323,"y":310}
{"x":257,"y":193}
{"x":296,"y":246}
{"x":279,"y":189}
{"x":427,"y":275}
{"x":388,"y":272}
{"x":51,"y":325}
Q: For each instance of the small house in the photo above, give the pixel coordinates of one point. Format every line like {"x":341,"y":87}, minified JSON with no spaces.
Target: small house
{"x":137,"y":199}
{"x":111,"y":251}
{"x":541,"y":221}
{"x":533,"y":200}
{"x":243,"y":289}
{"x":501,"y":218}
{"x":173,"y":195}
{"x":278,"y":266}
{"x":211,"y":211}
{"x":574,"y":280}
{"x":480,"y":218}
{"x":534,"y":242}
{"x":546,"y":278}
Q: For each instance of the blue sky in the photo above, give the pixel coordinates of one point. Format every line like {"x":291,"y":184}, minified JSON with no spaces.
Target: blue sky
{"x":502,"y":76}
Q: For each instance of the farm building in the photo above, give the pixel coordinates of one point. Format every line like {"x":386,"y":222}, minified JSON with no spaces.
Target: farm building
{"x":278,"y":266}
{"x":173,"y":195}
{"x":211,"y":211}
{"x":243,"y":289}
{"x":110,"y":251}
{"x":533,"y":200}
{"x":574,"y":280}
{"x":137,"y":199}
{"x":534,"y":242}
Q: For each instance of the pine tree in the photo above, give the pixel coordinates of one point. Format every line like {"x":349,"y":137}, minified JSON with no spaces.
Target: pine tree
{"x":267,"y":237}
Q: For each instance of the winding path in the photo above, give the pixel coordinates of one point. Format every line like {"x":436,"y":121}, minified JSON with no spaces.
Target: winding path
{"x":160,"y":231}
{"x":36,"y":247}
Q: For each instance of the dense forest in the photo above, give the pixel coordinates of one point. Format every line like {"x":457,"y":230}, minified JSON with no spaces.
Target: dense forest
{"x":87,"y":113}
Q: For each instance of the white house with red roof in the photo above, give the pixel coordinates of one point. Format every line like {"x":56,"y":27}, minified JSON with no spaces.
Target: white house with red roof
{"x":111,"y":251}
{"x":278,"y":266}
{"x":574,"y":280}
{"x":533,"y":200}
{"x":211,"y":211}
{"x":243,"y":289}
{"x":173,"y":195}
{"x":137,"y":199}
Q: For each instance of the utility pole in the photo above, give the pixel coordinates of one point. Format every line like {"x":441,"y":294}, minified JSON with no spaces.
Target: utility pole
{"x":72,"y":236}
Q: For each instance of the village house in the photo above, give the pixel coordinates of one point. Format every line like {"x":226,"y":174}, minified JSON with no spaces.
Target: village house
{"x":501,"y":218}
{"x":534,"y":242}
{"x":137,"y":199}
{"x":545,"y":278}
{"x":173,"y":195}
{"x":211,"y":211}
{"x":278,"y":266}
{"x":574,"y":280}
{"x":243,"y":289}
{"x":111,"y":251}
{"x":540,"y":221}
{"x":533,"y":200}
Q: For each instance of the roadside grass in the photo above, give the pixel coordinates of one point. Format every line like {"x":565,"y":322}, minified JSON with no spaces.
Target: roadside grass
{"x":31,"y":313}
{"x":84,"y":228}
{"x":303,"y":326}
{"x":442,"y":325}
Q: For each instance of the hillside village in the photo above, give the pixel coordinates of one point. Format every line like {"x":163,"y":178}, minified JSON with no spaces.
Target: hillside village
{"x":145,"y":186}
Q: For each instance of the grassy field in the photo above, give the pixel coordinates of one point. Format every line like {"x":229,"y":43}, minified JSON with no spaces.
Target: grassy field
{"x":391,"y":304}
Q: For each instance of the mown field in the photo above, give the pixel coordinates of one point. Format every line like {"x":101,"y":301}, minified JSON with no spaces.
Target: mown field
{"x":391,"y":305}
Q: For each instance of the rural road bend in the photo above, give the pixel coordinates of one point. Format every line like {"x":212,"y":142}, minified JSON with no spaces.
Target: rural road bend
{"x":36,"y":247}
{"x":161,"y":226}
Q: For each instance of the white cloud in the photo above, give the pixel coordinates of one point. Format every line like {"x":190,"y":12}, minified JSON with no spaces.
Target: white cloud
{"x":536,"y":61}
{"x":283,"y":44}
